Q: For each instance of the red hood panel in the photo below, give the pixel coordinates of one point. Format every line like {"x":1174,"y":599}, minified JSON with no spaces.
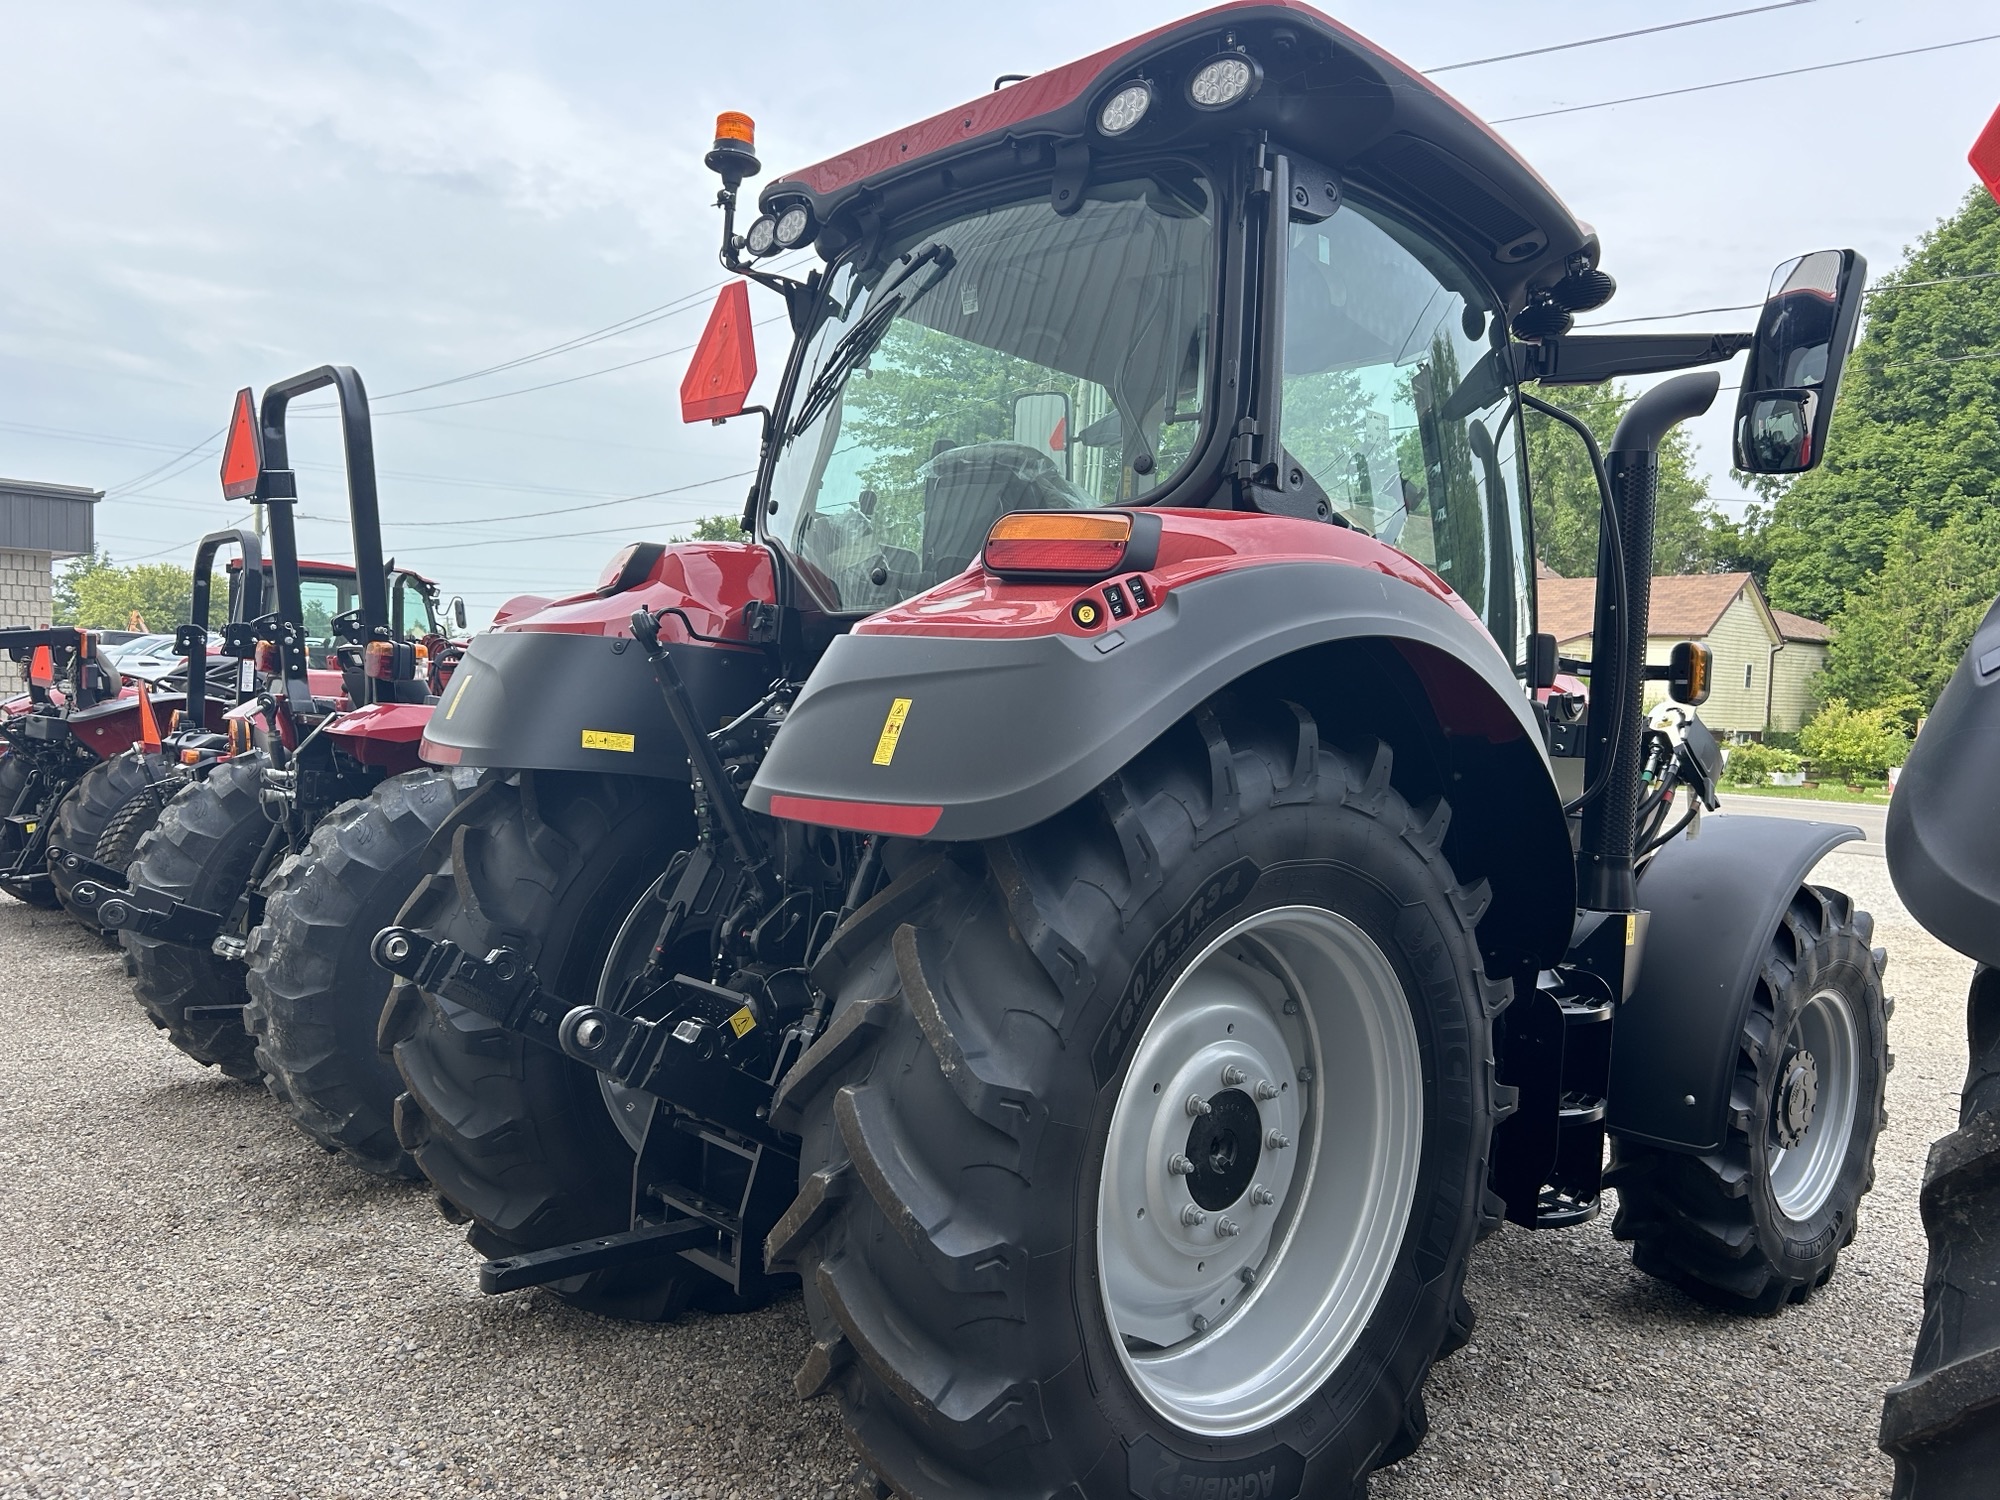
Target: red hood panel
{"x":710,"y":581}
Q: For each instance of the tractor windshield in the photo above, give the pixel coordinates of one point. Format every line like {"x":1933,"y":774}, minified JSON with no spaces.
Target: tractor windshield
{"x":1007,"y":359}
{"x":1387,"y":404}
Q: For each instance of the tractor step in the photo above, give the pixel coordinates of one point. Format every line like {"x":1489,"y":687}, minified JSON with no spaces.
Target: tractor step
{"x":648,"y":1242}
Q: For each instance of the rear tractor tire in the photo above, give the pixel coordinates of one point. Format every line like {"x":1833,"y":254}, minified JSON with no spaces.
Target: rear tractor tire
{"x":1761,"y":1221}
{"x":517,"y":1139}
{"x":202,"y":852}
{"x":113,"y":806}
{"x":315,"y":993}
{"x":1144,"y":1152}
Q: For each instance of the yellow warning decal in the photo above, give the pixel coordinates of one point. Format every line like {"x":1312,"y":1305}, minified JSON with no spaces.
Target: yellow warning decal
{"x":605,"y":739}
{"x":1631,"y":928}
{"x":892,"y":731}
{"x":743,"y":1022}
{"x":464,"y":687}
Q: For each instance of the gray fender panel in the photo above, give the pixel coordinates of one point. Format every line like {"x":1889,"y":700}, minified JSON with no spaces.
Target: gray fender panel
{"x":1715,"y":903}
{"x":525,"y":700}
{"x":1004,"y":733}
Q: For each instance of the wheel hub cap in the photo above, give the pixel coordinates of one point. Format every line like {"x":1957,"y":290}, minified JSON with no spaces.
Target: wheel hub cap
{"x":1797,"y":1096}
{"x":1224,"y":1145}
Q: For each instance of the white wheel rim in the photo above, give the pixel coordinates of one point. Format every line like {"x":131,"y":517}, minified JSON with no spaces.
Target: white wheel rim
{"x":1300,"y":999}
{"x":1804,"y":1177}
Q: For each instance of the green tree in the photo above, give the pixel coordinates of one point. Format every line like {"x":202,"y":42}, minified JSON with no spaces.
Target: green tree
{"x":1685,"y":536}
{"x":1916,"y":430}
{"x":1848,"y":743}
{"x":714,"y":529}
{"x":95,"y":592}
{"x":1902,"y":632}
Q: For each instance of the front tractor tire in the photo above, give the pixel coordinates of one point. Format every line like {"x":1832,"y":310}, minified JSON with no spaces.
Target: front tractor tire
{"x":202,"y":852}
{"x":113,"y":805}
{"x":1761,"y":1221}
{"x":315,"y":992}
{"x":1144,"y":1152}
{"x":517,"y":1139}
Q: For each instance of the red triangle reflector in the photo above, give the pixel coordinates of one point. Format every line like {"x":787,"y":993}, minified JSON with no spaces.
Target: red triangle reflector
{"x":42,"y":667}
{"x":725,"y":361}
{"x":1985,"y":155}
{"x":243,"y":454}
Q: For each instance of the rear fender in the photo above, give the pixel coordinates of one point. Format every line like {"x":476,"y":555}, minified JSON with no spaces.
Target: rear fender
{"x":562,"y":686}
{"x":1715,"y":901}
{"x":998,"y":732}
{"x":383,"y":734}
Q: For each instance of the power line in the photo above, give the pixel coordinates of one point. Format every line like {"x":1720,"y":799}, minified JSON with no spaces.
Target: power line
{"x":1873,"y":291}
{"x":136,"y":479}
{"x":1616,"y":36}
{"x":678,"y":489}
{"x":1727,"y":83}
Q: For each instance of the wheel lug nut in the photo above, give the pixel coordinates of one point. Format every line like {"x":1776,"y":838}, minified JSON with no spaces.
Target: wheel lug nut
{"x":1198,"y":1106}
{"x":1266,"y":1089}
{"x":1178,"y":1165}
{"x":1248,"y":1275}
{"x":1200,"y":1323}
{"x":1193,"y":1217}
{"x":1291,"y":1007}
{"x":1305,"y":1075}
{"x":1232,"y":1076}
{"x":1262,"y":1196}
{"x":1227,"y":1229}
{"x":1277,"y":1140}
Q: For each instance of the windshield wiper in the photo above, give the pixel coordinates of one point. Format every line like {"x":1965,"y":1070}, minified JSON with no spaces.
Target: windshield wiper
{"x":899,"y":292}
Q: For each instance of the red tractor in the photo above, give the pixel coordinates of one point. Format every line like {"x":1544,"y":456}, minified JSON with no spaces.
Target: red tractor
{"x":330,"y":737}
{"x":1086,"y":889}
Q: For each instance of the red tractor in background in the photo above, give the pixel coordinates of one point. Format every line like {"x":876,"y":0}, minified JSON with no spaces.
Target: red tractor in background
{"x":225,"y":913}
{"x":1087,"y":890}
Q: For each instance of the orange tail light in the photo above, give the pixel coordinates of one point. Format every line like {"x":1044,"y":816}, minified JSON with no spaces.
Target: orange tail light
{"x":1068,"y":543}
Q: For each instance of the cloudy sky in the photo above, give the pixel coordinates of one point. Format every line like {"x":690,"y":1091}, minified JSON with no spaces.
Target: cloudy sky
{"x":199,"y":197}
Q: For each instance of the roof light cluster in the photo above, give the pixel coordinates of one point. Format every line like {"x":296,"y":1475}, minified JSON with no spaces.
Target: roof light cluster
{"x":1220,"y":83}
{"x":785,"y":229}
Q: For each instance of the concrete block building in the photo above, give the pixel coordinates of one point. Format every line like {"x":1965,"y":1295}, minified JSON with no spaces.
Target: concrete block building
{"x":38,"y":524}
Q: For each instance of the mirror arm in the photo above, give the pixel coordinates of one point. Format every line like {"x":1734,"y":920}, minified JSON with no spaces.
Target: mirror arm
{"x":1585,"y":359}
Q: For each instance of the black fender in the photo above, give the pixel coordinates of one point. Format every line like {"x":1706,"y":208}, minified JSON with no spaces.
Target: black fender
{"x":1001,"y":733}
{"x":1715,"y":901}
{"x":543,"y":700}
{"x":1943,"y":838}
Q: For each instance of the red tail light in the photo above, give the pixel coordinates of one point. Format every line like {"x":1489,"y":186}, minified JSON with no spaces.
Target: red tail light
{"x":267,"y":657}
{"x":1077,"y":543}
{"x":391,"y":661}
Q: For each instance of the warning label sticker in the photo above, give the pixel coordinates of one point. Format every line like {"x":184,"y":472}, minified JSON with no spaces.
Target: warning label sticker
{"x":606,"y":739}
{"x":892,"y":731}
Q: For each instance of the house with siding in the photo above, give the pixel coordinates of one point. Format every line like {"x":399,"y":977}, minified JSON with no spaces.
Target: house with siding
{"x":1765,"y":659}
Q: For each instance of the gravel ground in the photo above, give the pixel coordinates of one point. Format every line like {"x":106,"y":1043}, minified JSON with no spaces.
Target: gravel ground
{"x":205,"y":1304}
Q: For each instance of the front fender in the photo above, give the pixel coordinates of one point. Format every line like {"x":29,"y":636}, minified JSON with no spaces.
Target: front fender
{"x":1715,"y":903}
{"x":383,"y":734}
{"x":996,"y":734}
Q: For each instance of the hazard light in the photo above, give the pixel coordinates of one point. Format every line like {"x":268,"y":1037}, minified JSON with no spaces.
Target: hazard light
{"x":1070,"y":543}
{"x":243,"y":454}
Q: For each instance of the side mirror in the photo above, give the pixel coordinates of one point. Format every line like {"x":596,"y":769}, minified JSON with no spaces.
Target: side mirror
{"x":1041,"y":421}
{"x":724,"y":366}
{"x":1803,"y":336}
{"x":456,"y":610}
{"x":1542,"y":661}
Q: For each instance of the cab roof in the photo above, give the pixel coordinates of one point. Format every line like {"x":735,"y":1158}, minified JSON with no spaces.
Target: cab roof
{"x":1328,"y":94}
